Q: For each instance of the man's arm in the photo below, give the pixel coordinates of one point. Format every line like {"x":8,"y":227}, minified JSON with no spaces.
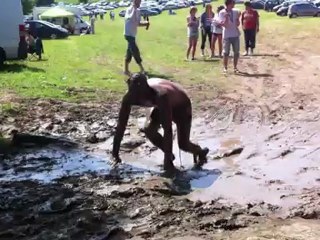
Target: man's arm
{"x":121,"y":127}
{"x":224,"y":18}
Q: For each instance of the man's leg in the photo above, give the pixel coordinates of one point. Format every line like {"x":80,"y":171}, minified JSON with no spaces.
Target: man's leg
{"x":203,"y":40}
{"x":183,"y":119}
{"x":246,"y":34}
{"x":136,"y":54}
{"x":151,"y":130}
{"x":226,"y":52}
{"x":128,"y":57}
{"x":236,"y":50}
{"x":253,"y":40}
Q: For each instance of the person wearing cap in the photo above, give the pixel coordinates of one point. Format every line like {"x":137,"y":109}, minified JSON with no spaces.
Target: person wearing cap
{"x":250,"y":25}
{"x":230,"y":20}
{"x":132,"y":22}
{"x":193,"y":32}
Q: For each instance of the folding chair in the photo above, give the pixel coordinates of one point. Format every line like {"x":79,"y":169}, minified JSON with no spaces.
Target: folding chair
{"x":36,"y":51}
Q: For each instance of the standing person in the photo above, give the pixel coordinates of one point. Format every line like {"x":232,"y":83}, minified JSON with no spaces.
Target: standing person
{"x":193,"y":31}
{"x":92,"y":22}
{"x":230,"y":20}
{"x":216,"y":33}
{"x":206,"y":20}
{"x":250,"y":25}
{"x":132,"y":22}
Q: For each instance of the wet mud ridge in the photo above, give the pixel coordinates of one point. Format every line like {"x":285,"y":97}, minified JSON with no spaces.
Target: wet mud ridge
{"x":260,"y":181}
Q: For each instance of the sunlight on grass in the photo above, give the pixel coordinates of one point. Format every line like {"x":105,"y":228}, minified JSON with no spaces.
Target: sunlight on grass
{"x":89,"y":67}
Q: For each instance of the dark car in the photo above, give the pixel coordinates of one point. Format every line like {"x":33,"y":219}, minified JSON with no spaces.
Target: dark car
{"x":46,"y":30}
{"x":270,"y":4}
{"x":122,"y":13}
{"x":148,"y":12}
{"x":257,"y":4}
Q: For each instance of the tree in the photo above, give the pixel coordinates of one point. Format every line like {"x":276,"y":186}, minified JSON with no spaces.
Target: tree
{"x":83,"y":1}
{"x":27,"y":6}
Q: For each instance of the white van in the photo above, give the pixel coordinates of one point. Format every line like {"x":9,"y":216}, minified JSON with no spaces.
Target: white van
{"x":12,"y":31}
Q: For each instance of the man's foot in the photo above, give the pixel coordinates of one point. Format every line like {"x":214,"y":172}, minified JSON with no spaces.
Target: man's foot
{"x":251,"y":52}
{"x":127,"y":73}
{"x":202,"y":52}
{"x":245,"y":53}
{"x":203,"y":154}
{"x":225,"y":70}
{"x":236,"y":70}
{"x":169,"y":168}
{"x":192,"y":59}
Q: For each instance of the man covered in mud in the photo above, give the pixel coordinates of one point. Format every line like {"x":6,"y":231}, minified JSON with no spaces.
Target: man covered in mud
{"x":170,"y":104}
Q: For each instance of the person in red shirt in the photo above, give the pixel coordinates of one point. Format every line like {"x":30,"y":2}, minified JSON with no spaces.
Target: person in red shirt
{"x":250,"y":25}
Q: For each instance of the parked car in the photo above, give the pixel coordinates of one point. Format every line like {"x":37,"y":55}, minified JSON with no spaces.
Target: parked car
{"x":46,"y":30}
{"x":270,"y":4}
{"x":12,"y":31}
{"x":122,"y":13}
{"x":148,"y":12}
{"x":283,"y":11}
{"x":303,"y":10}
{"x":258,"y":4}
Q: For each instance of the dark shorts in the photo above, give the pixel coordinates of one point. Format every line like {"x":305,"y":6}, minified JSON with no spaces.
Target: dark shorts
{"x":217,"y":34}
{"x":132,"y":50}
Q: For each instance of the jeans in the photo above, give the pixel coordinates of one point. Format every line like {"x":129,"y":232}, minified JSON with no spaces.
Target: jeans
{"x":250,"y":38}
{"x":132,"y":50}
{"x":204,"y":33}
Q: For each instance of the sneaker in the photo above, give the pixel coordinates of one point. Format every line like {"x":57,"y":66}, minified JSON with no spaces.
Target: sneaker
{"x":245,"y":53}
{"x":225,"y":70}
{"x":202,"y":53}
{"x":236,"y":70}
{"x":251,"y":52}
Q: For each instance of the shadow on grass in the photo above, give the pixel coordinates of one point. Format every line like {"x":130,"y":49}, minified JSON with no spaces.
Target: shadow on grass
{"x":16,"y":67}
{"x":257,"y":75}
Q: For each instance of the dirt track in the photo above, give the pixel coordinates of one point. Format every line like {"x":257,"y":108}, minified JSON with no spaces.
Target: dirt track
{"x":270,"y":115}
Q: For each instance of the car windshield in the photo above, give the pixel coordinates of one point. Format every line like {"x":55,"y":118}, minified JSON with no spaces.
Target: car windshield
{"x":48,"y":24}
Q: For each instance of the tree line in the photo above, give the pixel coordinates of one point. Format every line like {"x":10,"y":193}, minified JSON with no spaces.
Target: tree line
{"x":29,"y":4}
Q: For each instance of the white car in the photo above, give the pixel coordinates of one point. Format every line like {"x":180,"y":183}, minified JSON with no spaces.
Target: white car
{"x":12,"y":31}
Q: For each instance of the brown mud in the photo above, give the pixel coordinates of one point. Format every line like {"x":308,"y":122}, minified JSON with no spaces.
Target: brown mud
{"x":262,"y":179}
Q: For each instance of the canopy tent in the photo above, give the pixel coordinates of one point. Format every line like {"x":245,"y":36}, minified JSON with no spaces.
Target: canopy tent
{"x":60,"y":17}
{"x":56,"y":13}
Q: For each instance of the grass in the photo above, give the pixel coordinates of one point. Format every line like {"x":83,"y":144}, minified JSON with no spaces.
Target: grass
{"x":85,"y":68}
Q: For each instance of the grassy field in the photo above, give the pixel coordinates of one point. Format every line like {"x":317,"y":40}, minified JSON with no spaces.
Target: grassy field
{"x":83,"y":68}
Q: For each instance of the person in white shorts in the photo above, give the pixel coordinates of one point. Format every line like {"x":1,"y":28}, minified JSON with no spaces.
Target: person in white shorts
{"x":230,"y":20}
{"x":216,"y":33}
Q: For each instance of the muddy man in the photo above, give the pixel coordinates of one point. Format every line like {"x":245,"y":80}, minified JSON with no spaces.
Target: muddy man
{"x":170,"y":104}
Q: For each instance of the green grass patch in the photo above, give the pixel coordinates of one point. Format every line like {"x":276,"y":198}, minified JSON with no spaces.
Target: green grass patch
{"x":89,"y":68}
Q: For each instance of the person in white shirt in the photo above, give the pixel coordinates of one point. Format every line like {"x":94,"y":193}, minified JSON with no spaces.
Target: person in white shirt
{"x":230,"y":20}
{"x":132,"y":22}
{"x":216,"y":33}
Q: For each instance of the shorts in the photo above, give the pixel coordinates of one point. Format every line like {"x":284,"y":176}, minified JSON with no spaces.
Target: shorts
{"x":235,"y":42}
{"x":217,"y":34}
{"x":193,"y":35}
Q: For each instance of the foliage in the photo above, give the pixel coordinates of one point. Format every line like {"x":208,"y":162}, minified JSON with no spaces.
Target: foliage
{"x":27,"y":6}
